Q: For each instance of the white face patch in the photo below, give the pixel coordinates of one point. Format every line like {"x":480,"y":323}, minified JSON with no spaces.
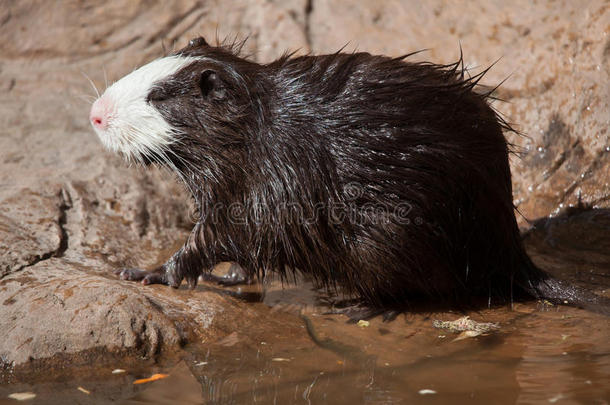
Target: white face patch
{"x":123,"y":119}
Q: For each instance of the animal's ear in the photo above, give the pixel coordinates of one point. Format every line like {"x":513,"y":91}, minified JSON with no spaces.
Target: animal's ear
{"x":197,"y":42}
{"x":211,"y":85}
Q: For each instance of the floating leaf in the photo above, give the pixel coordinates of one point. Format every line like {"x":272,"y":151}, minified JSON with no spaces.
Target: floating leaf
{"x":363,"y":324}
{"x":153,"y":377}
{"x":22,"y":396}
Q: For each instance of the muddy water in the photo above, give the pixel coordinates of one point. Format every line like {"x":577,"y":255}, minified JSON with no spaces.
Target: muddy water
{"x":540,"y":354}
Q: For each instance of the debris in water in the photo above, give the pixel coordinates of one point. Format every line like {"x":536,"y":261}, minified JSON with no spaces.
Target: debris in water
{"x":22,"y":396}
{"x":467,"y":334}
{"x":363,"y":324}
{"x":201,"y":363}
{"x":280,"y":359}
{"x":556,"y":398}
{"x":118,"y":371}
{"x":153,"y":377}
{"x":81,"y":389}
{"x":465,"y":324}
{"x":426,"y":391}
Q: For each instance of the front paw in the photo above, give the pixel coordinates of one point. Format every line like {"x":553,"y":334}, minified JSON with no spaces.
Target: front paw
{"x":143,"y":276}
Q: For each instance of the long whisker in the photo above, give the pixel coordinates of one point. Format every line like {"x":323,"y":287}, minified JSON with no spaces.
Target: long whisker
{"x":175,"y":169}
{"x":105,"y":78}
{"x":92,"y":84}
{"x":85,"y":97}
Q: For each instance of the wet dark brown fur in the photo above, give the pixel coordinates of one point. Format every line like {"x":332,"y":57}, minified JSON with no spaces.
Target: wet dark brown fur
{"x":385,"y":177}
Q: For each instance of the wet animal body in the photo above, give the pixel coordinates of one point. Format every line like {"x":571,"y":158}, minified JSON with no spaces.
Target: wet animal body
{"x":387,"y":178}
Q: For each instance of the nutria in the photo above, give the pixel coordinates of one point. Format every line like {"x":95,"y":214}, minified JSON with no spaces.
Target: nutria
{"x":387,"y":178}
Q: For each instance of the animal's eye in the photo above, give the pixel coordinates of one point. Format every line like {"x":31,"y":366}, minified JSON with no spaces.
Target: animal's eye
{"x":197,"y":42}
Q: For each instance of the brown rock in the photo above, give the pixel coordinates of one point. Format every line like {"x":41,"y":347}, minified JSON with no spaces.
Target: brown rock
{"x":30,"y":228}
{"x":55,"y":308}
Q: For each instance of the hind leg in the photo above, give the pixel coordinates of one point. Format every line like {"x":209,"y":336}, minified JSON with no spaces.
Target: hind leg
{"x":236,"y":275}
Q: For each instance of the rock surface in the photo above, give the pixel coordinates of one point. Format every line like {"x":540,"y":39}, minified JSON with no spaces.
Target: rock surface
{"x":70,"y":213}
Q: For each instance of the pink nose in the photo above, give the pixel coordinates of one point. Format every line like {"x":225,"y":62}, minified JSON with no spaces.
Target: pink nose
{"x":99,"y":114}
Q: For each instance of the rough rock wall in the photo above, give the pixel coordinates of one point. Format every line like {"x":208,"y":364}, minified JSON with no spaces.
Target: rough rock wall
{"x":70,"y":210}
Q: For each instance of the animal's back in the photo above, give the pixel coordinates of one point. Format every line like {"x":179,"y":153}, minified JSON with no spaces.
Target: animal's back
{"x":415,"y":162}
